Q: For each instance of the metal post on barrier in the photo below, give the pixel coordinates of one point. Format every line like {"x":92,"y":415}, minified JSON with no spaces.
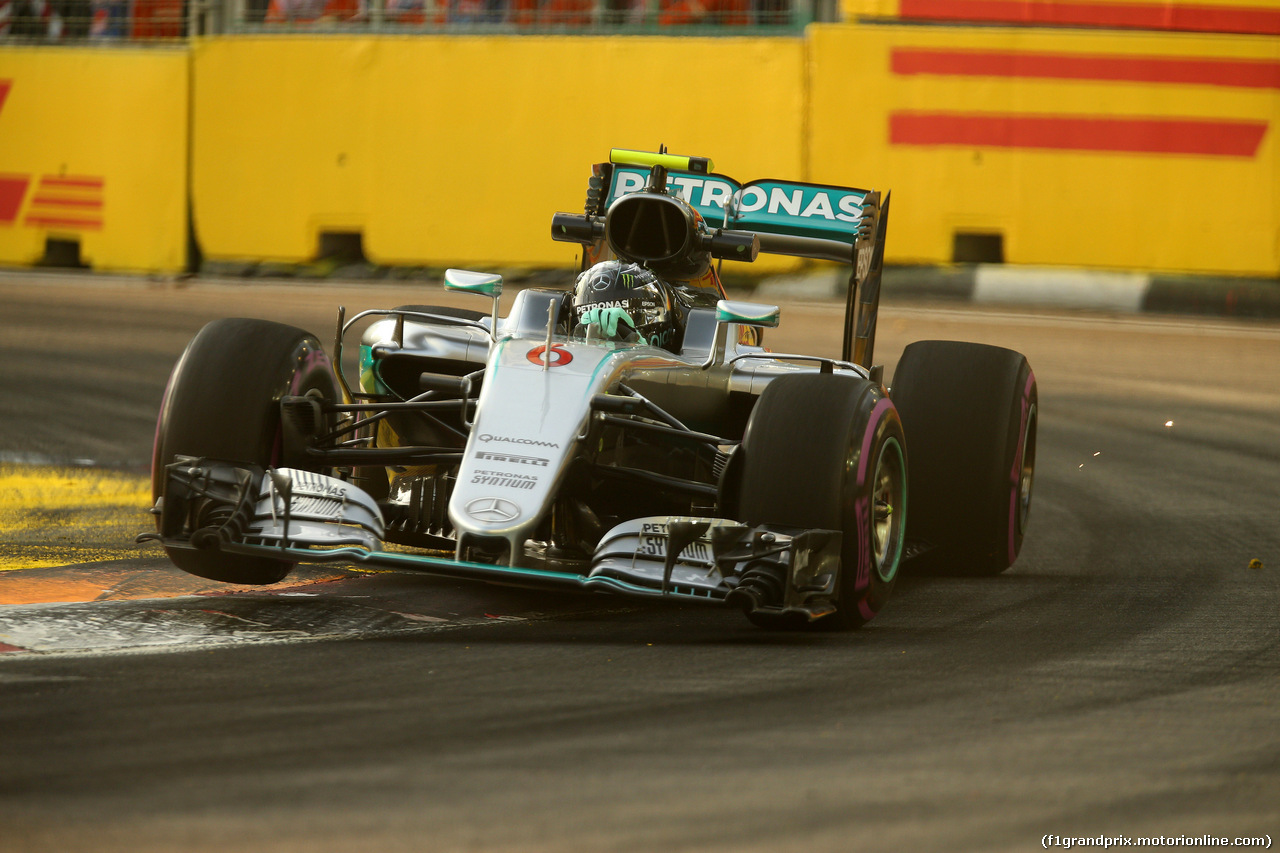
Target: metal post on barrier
{"x":825,"y":11}
{"x":206,"y":18}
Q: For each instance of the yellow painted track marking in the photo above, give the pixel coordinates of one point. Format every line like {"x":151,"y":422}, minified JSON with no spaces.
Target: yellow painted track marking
{"x":59,"y":516}
{"x":63,"y":532}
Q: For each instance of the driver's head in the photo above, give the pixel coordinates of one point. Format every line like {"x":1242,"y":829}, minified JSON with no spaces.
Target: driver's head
{"x":624,"y":302}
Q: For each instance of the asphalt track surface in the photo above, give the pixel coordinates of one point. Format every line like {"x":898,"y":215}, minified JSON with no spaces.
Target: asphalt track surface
{"x":1121,"y":680}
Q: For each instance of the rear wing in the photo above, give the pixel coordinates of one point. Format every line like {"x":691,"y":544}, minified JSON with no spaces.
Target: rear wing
{"x":818,"y":212}
{"x":817,"y":221}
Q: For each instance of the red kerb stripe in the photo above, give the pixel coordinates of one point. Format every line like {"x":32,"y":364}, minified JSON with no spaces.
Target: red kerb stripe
{"x":1085,"y":133}
{"x":1151,"y":16}
{"x":1243,"y":73}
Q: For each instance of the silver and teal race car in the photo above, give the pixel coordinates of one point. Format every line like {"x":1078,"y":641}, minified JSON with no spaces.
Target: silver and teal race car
{"x":630,"y":435}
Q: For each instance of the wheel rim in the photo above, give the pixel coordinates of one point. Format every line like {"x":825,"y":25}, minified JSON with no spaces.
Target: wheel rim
{"x":888,"y":509}
{"x":1027,"y":474}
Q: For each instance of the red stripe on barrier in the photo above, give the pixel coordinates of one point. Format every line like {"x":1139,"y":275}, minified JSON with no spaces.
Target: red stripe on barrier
{"x":5,"y":86}
{"x":49,"y":181}
{"x":49,"y":201}
{"x":13,"y":188}
{"x":1146,"y":136}
{"x":62,"y":222}
{"x":1151,"y":16}
{"x":1243,"y":73}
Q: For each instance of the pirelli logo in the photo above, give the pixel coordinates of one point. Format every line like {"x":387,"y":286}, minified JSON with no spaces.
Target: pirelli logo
{"x":490,"y":456}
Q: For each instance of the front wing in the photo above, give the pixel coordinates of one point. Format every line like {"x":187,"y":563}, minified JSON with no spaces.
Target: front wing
{"x":301,"y":516}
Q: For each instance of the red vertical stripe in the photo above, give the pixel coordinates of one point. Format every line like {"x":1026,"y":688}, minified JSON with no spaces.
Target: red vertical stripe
{"x":5,"y":86}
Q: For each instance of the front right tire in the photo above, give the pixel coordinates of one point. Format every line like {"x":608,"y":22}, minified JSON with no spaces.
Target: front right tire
{"x":827,"y":451}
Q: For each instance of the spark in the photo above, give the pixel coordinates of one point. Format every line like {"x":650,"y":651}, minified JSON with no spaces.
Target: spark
{"x":1168,"y":423}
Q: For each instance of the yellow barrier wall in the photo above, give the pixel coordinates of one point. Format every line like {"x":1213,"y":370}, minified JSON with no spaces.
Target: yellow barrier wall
{"x":1126,"y":150}
{"x":1134,"y":150}
{"x":93,"y":147}
{"x":456,"y":150}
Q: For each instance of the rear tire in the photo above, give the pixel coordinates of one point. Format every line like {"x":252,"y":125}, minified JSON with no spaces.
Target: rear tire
{"x":827,"y":452}
{"x":223,"y":402}
{"x":970,"y":414}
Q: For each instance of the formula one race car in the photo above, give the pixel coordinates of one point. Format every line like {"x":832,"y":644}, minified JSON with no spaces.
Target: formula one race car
{"x":630,"y":435}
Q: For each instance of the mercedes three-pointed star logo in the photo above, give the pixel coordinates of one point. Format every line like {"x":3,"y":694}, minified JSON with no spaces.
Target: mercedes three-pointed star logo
{"x":492,"y":510}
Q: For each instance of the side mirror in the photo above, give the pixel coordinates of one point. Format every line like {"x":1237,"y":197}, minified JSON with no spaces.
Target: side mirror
{"x":747,"y":313}
{"x":482,"y":283}
{"x":744,"y":314}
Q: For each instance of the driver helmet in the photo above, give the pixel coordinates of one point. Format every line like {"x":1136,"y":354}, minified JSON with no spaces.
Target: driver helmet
{"x":629,"y":299}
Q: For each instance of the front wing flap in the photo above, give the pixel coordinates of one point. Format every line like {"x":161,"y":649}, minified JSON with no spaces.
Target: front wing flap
{"x":761,"y":569}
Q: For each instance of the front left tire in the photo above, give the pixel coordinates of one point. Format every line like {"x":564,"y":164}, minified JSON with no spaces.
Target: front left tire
{"x":223,"y":402}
